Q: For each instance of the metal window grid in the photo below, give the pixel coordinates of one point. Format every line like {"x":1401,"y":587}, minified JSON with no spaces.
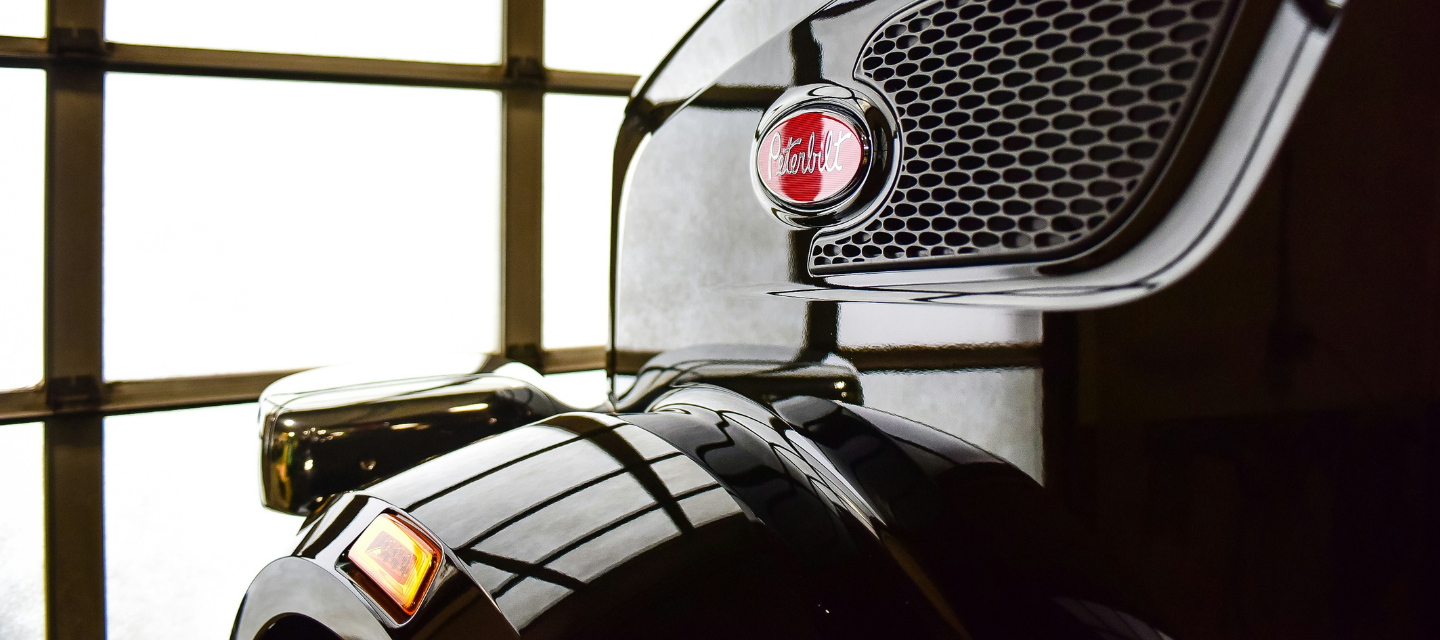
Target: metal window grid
{"x":74,"y":398}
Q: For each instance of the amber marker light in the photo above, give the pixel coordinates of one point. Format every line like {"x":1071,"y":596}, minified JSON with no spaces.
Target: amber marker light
{"x":397,"y":559}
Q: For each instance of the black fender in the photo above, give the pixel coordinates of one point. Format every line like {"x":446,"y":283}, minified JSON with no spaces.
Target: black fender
{"x":712,"y":515}
{"x":895,"y":526}
{"x":294,"y":587}
{"x":309,"y":584}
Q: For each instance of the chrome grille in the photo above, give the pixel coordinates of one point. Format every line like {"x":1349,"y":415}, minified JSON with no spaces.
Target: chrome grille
{"x":1027,"y":126}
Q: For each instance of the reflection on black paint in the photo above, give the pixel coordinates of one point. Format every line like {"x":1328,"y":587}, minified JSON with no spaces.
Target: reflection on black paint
{"x":554,"y":547}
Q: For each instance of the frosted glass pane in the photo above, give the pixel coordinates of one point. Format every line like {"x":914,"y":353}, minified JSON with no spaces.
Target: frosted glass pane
{"x":625,"y":36}
{"x":869,"y":325}
{"x":22,"y":224}
{"x":579,"y":145}
{"x":997,"y":410}
{"x":259,"y":225}
{"x":197,"y":472}
{"x":436,"y":30}
{"x":22,"y":532}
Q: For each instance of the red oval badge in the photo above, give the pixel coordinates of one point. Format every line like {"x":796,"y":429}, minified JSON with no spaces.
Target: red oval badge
{"x":810,"y":157}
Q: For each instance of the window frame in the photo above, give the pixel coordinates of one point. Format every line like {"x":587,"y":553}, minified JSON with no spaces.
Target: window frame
{"x":74,"y":397}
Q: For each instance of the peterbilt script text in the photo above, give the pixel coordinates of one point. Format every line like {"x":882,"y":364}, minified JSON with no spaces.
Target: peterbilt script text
{"x":809,"y":160}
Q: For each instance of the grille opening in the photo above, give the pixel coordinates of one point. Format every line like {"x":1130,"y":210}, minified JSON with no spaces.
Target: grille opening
{"x":1026,"y":125}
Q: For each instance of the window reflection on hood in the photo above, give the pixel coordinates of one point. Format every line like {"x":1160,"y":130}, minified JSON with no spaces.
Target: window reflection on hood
{"x":555,"y":519}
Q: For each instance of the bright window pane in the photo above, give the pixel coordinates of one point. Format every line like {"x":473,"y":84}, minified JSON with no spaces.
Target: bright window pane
{"x":22,"y":18}
{"x":188,"y":481}
{"x":579,"y":389}
{"x":436,"y":30}
{"x":625,"y":36}
{"x":579,"y":144}
{"x":22,"y":532}
{"x":22,"y":229}
{"x":260,"y":225}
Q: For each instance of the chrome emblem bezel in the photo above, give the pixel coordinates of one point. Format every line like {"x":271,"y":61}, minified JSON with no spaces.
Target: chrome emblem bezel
{"x":855,"y":111}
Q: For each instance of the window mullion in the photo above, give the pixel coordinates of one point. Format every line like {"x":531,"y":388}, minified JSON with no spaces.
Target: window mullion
{"x":74,"y":460}
{"x":522,"y":166}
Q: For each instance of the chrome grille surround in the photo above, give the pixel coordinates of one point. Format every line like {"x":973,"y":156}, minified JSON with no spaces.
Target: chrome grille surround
{"x":1029,"y":128}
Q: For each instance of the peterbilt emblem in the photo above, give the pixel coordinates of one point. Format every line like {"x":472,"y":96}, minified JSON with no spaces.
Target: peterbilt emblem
{"x":810,"y":157}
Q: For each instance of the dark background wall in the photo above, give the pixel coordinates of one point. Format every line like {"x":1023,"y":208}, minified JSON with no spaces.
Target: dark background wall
{"x":1261,"y":442}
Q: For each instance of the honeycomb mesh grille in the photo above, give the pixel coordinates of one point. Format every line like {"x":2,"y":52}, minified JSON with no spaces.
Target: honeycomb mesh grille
{"x":1026,"y":125}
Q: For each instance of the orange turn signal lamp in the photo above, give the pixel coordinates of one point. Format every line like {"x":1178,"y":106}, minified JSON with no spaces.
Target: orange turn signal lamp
{"x":398,"y":559}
